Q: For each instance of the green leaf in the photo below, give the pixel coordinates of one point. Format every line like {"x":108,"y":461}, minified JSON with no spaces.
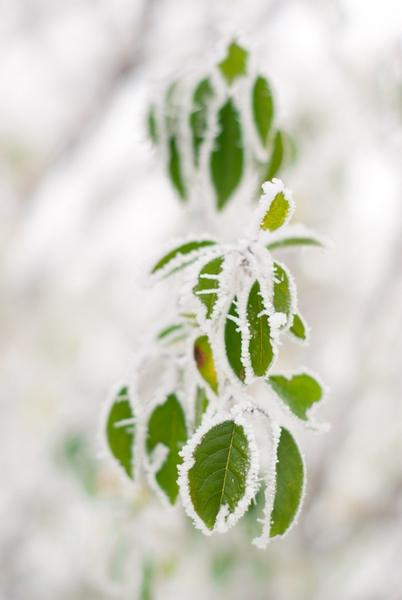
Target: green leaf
{"x":298,"y":392}
{"x":294,"y":240}
{"x":277,"y":213}
{"x":233,"y":342}
{"x":175,"y":167}
{"x":201,"y":405}
{"x":214,"y":268}
{"x":189,"y":248}
{"x":289,"y":484}
{"x":166,"y":331}
{"x":199,"y":115}
{"x":152,"y":126}
{"x":227,"y":156}
{"x":235,"y":63}
{"x":120,"y":431}
{"x":205,"y":362}
{"x":218,"y":477}
{"x":276,"y":158}
{"x":298,"y":328}
{"x":263,"y":108}
{"x":282,"y":299}
{"x":167,"y":426}
{"x":260,"y":345}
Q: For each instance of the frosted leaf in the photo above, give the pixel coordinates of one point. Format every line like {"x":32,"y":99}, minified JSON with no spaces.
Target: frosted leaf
{"x":298,"y":391}
{"x":166,"y":427}
{"x":260,"y":345}
{"x":284,"y":292}
{"x":208,"y":284}
{"x":175,"y":167}
{"x":233,"y":341}
{"x":299,"y":329}
{"x":181,"y":256}
{"x":204,"y":360}
{"x":295,"y":237}
{"x":227,"y":155}
{"x":218,"y":477}
{"x":198,"y":119}
{"x":276,"y":206}
{"x":120,"y":431}
{"x":269,"y":482}
{"x":285,"y":486}
{"x":234,"y":64}
{"x":172,"y":333}
{"x":276,"y":158}
{"x":263,"y":109}
{"x":290,"y":485}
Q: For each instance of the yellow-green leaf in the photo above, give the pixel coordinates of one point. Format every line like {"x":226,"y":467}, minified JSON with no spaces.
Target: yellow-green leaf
{"x":205,"y":362}
{"x":277,"y":213}
{"x":234,"y":64}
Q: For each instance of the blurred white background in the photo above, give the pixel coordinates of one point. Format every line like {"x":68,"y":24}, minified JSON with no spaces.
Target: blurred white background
{"x":85,"y":206}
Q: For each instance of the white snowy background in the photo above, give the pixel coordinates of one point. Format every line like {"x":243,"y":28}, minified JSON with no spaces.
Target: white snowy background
{"x":85,"y":206}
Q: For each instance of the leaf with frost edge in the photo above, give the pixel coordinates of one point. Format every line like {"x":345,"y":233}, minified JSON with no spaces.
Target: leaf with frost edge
{"x":102,"y":435}
{"x":310,"y":423}
{"x":153,"y":462}
{"x":210,"y":377}
{"x":297,"y":231}
{"x":212,"y":291}
{"x":265,"y":538}
{"x":292,"y":292}
{"x":131,"y":382}
{"x":307,"y":330}
{"x":274,"y":328}
{"x":224,"y":180}
{"x":180,"y":260}
{"x":221,"y":525}
{"x":259,"y":318}
{"x":271,"y":190}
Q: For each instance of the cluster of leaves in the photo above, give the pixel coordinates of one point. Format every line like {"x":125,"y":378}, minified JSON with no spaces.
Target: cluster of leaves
{"x":218,"y":131}
{"x":208,"y":433}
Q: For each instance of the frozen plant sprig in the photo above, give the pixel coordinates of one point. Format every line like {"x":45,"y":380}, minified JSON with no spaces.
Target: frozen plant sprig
{"x":192,"y":432}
